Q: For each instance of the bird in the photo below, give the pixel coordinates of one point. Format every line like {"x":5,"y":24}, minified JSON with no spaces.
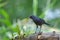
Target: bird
{"x":38,"y":21}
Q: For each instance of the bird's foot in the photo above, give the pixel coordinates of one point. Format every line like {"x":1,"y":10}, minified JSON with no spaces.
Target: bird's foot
{"x":40,"y":33}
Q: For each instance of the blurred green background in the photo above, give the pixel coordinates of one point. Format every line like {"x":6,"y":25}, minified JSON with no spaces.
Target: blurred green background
{"x":14,"y":16}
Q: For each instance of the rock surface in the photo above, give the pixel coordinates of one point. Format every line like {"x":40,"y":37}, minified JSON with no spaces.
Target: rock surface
{"x":43,"y":36}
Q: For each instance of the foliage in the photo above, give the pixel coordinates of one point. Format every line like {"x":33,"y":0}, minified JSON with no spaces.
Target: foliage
{"x":11,"y":10}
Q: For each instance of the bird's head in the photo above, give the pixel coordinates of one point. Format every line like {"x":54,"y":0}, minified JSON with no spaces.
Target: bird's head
{"x":31,"y":17}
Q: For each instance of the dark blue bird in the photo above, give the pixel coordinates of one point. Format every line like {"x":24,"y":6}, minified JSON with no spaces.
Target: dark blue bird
{"x":38,"y":21}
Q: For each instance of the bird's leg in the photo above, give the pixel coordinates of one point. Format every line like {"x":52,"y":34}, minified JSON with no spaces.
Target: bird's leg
{"x":40,"y":29}
{"x":36,"y":28}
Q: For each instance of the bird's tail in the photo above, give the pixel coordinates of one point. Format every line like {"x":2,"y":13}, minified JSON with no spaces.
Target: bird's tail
{"x":47,"y":24}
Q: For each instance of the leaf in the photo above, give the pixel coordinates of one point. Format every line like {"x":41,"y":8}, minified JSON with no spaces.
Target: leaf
{"x":3,"y":4}
{"x":4,"y":13}
{"x":7,"y":22}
